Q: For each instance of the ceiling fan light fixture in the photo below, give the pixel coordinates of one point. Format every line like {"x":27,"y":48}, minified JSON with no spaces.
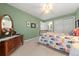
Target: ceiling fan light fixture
{"x":47,"y":8}
{"x":46,"y":11}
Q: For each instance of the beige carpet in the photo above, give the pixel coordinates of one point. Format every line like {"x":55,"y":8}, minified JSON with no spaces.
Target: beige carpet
{"x":31,"y":48}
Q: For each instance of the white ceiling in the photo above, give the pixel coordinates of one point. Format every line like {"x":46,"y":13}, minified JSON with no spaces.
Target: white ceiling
{"x":59,"y":9}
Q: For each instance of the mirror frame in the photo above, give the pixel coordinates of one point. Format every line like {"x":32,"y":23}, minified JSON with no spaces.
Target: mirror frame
{"x":1,"y":18}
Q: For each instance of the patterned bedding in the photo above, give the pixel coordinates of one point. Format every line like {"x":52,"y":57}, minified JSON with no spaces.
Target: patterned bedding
{"x":58,"y":41}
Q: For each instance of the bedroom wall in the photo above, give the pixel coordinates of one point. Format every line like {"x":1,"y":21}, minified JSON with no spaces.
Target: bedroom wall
{"x":61,"y":24}
{"x":19,"y":18}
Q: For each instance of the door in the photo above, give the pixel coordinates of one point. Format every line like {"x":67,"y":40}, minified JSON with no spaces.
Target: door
{"x":69,"y":25}
{"x":65,"y":25}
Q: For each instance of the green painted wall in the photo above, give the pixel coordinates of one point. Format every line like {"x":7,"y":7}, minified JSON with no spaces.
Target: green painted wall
{"x":19,"y":18}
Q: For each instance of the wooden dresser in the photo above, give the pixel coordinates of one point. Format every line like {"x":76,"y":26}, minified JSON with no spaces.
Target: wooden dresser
{"x":10,"y":44}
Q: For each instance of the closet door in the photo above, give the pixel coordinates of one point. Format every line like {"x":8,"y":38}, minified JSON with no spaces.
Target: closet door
{"x":65,"y":25}
{"x":69,"y":25}
{"x":58,"y":25}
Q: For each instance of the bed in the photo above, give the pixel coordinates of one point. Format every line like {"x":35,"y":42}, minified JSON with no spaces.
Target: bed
{"x":61,"y":42}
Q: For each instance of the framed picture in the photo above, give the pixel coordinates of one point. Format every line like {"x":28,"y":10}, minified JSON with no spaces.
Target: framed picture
{"x":33,"y":25}
{"x":28,"y":23}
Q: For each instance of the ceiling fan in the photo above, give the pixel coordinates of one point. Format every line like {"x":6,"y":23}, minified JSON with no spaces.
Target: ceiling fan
{"x":46,"y":8}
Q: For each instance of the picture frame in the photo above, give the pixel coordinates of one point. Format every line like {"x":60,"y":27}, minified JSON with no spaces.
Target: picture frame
{"x":33,"y":25}
{"x":27,"y":23}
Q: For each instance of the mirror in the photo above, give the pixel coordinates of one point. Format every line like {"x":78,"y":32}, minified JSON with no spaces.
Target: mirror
{"x":6,"y":25}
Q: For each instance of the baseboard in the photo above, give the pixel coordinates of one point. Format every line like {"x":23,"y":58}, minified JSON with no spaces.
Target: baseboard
{"x":30,"y":39}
